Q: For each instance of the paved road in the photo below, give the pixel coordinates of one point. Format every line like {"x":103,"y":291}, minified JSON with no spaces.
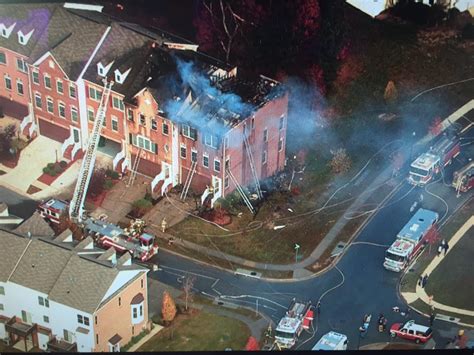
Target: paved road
{"x":359,"y":284}
{"x":18,"y":205}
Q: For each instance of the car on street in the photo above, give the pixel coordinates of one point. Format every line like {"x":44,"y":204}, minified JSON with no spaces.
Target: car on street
{"x":411,"y":331}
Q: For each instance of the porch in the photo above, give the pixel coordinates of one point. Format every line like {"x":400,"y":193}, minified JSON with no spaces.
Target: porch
{"x":22,"y":336}
{"x":60,"y":345}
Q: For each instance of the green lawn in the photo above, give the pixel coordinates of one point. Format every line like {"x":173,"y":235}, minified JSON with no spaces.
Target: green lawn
{"x":200,"y":332}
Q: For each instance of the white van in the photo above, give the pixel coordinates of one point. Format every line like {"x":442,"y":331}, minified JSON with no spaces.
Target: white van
{"x":331,"y":341}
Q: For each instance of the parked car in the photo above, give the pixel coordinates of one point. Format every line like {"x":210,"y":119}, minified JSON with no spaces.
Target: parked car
{"x":411,"y":331}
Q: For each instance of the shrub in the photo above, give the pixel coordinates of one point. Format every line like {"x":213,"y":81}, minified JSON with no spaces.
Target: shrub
{"x":49,"y":171}
{"x":63,"y":164}
{"x":142,"y":206}
{"x":112,"y":174}
{"x":108,"y":184}
{"x":50,"y":166}
{"x":58,"y":169}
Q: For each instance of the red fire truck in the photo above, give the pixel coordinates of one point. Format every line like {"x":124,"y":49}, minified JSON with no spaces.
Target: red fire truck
{"x":430,"y":164}
{"x":52,"y":209}
{"x":463,"y":179}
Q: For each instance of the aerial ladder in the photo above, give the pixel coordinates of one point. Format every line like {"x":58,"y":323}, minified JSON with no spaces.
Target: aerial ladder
{"x":241,"y":191}
{"x":189,"y":178}
{"x":252,"y":166}
{"x":76,"y":208}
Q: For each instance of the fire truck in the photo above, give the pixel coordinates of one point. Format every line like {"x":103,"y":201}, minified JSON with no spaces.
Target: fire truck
{"x":139,"y":244}
{"x":52,"y":209}
{"x":463,"y":179}
{"x":410,"y":240}
{"x":430,"y":164}
{"x":299,"y":316}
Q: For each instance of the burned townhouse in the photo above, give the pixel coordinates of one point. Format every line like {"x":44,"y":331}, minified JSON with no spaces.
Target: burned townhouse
{"x":175,"y":114}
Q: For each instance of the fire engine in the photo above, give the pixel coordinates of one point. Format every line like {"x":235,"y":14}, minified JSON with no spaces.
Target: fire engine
{"x":52,"y":209}
{"x":139,"y":244}
{"x":431,"y":163}
{"x":410,"y":240}
{"x":463,"y":179}
{"x":299,"y":316}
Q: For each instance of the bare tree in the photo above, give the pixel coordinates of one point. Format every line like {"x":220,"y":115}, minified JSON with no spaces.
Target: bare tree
{"x":188,"y":284}
{"x":223,"y":15}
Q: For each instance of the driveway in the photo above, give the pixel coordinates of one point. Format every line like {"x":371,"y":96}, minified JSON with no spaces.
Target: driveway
{"x":32,"y":161}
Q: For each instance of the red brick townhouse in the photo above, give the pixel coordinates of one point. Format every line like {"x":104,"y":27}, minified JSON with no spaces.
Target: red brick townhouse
{"x":175,"y":114}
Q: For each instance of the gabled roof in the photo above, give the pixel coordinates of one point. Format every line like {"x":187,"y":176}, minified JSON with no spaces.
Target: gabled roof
{"x":11,"y":248}
{"x":35,"y":225}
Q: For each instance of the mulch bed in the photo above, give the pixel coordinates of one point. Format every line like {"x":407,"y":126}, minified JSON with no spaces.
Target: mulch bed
{"x":97,"y":200}
{"x":48,"y":179}
{"x":32,"y":190}
{"x":10,"y":161}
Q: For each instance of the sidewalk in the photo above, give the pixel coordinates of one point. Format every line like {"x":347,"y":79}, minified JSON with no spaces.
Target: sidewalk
{"x":420,"y":293}
{"x":298,"y":268}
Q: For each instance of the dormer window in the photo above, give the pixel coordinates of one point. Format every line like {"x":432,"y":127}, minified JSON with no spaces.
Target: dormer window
{"x":119,"y":77}
{"x":6,"y":31}
{"x":101,"y":70}
{"x":22,"y":38}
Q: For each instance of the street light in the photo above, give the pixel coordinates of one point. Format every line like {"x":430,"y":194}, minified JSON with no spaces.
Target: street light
{"x":297,"y":246}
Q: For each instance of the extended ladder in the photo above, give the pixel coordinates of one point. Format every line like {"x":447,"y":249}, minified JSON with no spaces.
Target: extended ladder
{"x":241,"y":191}
{"x":133,"y":174}
{"x":189,"y":178}
{"x":76,"y":208}
{"x":252,"y":166}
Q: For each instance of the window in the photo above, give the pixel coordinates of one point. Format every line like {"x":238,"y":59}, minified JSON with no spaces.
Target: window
{"x":74,"y":116}
{"x":97,"y":338}
{"x":47,"y":82}
{"x":36,"y":79}
{"x":2,"y":290}
{"x":3,"y":58}
{"x":130,"y":115}
{"x":59,"y":86}
{"x":217,"y":165}
{"x":51,"y":64}
{"x":95,"y":94}
{"x":120,"y":301}
{"x":227,"y":163}
{"x":19,"y":87}
{"x":135,"y":313}
{"x":38,"y":101}
{"x":154,"y":125}
{"x":114,"y":124}
{"x":86,"y":321}
{"x":67,"y":335}
{"x":62,"y":110}
{"x":96,"y":320}
{"x":185,"y":130}
{"x":205,"y":161}
{"x":80,"y":319}
{"x":90,"y":114}
{"x":226,"y":181}
{"x":46,"y":319}
{"x":21,"y":65}
{"x":194,"y":155}
{"x":141,"y":310}
{"x":141,"y":282}
{"x":253,"y":122}
{"x":265,"y":135}
{"x":183,"y":152}
{"x":8,"y":82}
{"x":282,"y":122}
{"x":210,"y":140}
{"x":280,"y":144}
{"x":142,"y":119}
{"x":144,"y":143}
{"x":72,"y":91}
{"x":50,"y":105}
{"x":264,"y":157}
{"x":46,"y":303}
{"x":117,"y":103}
{"x":1,"y":307}
{"x":166,"y":128}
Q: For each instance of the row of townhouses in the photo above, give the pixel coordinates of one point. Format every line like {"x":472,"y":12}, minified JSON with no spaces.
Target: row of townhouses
{"x":175,"y":113}
{"x":58,"y":294}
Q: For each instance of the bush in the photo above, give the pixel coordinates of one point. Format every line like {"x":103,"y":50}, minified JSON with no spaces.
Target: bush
{"x":49,"y":171}
{"x":58,"y":169}
{"x":96,"y":185}
{"x":134,"y":340}
{"x":63,"y":164}
{"x":142,"y":206}
{"x":112,"y":174}
{"x":50,"y":166}
{"x":108,"y":184}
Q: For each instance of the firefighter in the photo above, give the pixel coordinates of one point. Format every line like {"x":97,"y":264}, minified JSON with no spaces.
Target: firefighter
{"x":164,"y":224}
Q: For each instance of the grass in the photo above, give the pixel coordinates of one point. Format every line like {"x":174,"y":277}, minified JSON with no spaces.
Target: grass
{"x":200,"y":331}
{"x":425,"y":308}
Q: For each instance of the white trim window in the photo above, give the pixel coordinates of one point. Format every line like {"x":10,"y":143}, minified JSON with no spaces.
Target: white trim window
{"x":8,"y":82}
{"x":43,"y":301}
{"x":143,"y":143}
{"x":72,"y":91}
{"x":38,"y":101}
{"x":3,"y":58}
{"x":226,"y":181}
{"x":280,"y":144}
{"x":194,"y":155}
{"x":282,"y":122}
{"x":142,"y":119}
{"x":114,"y":124}
{"x":217,"y":165}
{"x":2,"y":290}
{"x":74,"y":114}
{"x":205,"y":160}
{"x":83,"y":320}
{"x":265,"y":135}
{"x":95,"y":94}
{"x":188,"y":132}
{"x":154,"y":124}
{"x":90,"y":114}
{"x":117,"y":103}
{"x":165,"y":128}
{"x":19,"y":87}
{"x":35,"y":77}
{"x":137,"y":313}
{"x":210,"y":140}
{"x":59,"y":87}
{"x":264,"y":157}
{"x":130,"y":115}
{"x":182,"y":151}
{"x":47,"y":81}
{"x":49,"y":105}
{"x":62,"y":110}
{"x":21,"y":65}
